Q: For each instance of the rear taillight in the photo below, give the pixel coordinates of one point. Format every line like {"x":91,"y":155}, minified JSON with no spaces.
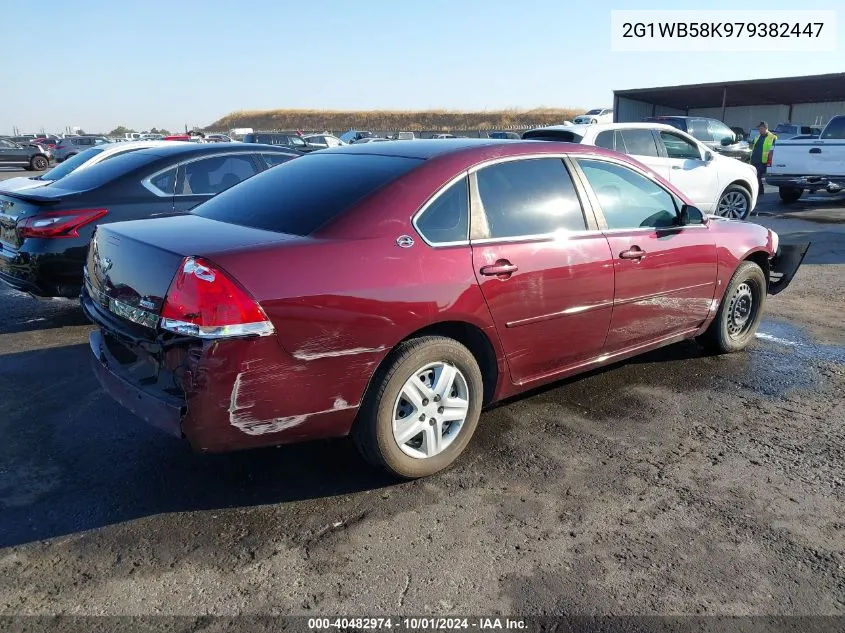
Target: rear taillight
{"x":769,"y":160}
{"x":203,"y":301}
{"x":58,"y":224}
{"x":60,"y":146}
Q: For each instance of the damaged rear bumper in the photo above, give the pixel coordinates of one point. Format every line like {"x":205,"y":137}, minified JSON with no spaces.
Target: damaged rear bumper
{"x":154,"y":408}
{"x":785,"y":264}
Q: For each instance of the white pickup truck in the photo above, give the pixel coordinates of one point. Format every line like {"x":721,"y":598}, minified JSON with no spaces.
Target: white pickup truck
{"x":809,"y":163}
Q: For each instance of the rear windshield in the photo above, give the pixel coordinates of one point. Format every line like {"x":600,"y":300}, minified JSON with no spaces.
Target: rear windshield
{"x":552,"y":135}
{"x":106,"y":171}
{"x":302,"y":195}
{"x":64,"y":168}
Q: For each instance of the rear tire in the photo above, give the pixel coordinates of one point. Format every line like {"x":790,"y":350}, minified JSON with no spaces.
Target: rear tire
{"x":740,"y":312}
{"x":790,"y":194}
{"x":39,"y":163}
{"x":422,"y":408}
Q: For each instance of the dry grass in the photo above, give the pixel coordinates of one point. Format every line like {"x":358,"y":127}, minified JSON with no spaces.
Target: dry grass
{"x":393,"y":120}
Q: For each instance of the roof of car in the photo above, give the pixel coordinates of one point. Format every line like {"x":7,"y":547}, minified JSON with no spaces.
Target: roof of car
{"x":484,"y":147}
{"x":171,"y":148}
{"x":580,"y":129}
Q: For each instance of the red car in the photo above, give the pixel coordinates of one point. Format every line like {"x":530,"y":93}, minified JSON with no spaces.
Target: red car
{"x":390,"y":291}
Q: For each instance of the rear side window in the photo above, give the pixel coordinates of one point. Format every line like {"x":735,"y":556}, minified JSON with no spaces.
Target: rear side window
{"x":304,"y":194}
{"x":606,"y":139}
{"x":529,"y":197}
{"x":165,"y":182}
{"x":210,"y":176}
{"x":637,"y":143}
{"x":447,"y":218}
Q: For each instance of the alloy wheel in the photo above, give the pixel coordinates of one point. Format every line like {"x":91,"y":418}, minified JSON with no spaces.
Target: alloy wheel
{"x":733,"y":205}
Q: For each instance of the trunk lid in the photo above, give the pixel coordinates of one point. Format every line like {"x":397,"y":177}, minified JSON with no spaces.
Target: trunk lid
{"x":130,"y":265}
{"x":17,"y":207}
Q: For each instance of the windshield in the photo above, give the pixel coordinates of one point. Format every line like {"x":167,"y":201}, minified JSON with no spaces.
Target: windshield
{"x":597,"y":111}
{"x":63,"y":169}
{"x":302,"y":195}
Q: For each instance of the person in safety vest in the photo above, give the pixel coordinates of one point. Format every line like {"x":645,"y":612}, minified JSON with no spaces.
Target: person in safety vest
{"x":760,"y":151}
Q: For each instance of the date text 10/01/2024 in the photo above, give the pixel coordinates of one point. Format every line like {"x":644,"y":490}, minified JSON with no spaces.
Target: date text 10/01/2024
{"x":721,"y":29}
{"x":416,"y":624}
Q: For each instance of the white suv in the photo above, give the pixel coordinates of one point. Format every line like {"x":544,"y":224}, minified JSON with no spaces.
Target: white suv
{"x":716,"y":184}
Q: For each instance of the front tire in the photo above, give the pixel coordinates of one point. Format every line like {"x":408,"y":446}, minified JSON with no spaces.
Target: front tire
{"x":790,"y":194}
{"x":740,"y":313}
{"x":422,"y":409}
{"x":734,"y":203}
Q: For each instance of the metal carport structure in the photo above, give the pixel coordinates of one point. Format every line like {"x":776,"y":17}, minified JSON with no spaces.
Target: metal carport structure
{"x":811,"y":99}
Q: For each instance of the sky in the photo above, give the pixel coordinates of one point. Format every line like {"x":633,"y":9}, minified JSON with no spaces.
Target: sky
{"x":98,"y":64}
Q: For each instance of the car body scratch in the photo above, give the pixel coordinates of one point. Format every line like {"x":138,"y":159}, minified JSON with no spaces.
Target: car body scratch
{"x":242,"y":418}
{"x":307,"y":355}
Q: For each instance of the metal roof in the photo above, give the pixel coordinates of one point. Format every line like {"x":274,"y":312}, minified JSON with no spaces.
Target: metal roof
{"x":753,"y":92}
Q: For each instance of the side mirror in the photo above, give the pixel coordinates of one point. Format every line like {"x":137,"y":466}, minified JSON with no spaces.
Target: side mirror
{"x":727,"y":141}
{"x":708,"y":156}
{"x":691,"y":215}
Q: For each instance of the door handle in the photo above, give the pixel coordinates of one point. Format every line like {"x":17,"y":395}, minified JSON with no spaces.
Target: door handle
{"x":634,"y":253}
{"x":676,"y":167}
{"x":502,"y":268}
{"x":816,"y":150}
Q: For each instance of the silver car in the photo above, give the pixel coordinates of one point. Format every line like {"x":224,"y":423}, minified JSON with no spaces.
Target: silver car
{"x":72,"y":145}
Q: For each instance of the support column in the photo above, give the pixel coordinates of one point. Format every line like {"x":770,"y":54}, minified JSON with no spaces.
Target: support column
{"x":724,"y":102}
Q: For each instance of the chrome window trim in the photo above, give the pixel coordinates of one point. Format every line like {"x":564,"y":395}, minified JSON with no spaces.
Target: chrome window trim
{"x":541,"y":237}
{"x":432,"y":199}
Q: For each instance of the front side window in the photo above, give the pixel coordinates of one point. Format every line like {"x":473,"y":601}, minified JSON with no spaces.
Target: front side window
{"x":719,"y":131}
{"x":679,"y":147}
{"x":447,"y":218}
{"x":529,"y":197}
{"x":697,"y":128}
{"x":628,"y":199}
{"x":210,"y":176}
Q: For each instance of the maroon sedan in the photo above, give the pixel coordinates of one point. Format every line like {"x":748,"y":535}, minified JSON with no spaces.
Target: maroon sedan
{"x":390,"y":291}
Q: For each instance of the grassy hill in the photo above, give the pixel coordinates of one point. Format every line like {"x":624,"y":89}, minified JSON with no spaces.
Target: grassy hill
{"x":392,"y":120}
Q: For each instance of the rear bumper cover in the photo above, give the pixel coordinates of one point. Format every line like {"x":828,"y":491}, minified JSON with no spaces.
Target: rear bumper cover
{"x":152,"y":408}
{"x":785,"y":264}
{"x":805,"y":182}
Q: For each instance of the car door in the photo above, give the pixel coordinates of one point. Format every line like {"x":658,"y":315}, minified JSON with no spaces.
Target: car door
{"x":542,"y":265}
{"x":689,"y":170}
{"x":7,"y":154}
{"x":665,"y":274}
{"x":200,"y":179}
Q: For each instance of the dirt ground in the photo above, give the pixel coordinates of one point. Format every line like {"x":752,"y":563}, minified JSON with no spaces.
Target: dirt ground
{"x":672,"y":484}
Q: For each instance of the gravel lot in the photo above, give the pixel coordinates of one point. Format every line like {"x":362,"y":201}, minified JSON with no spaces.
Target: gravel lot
{"x":672,"y":484}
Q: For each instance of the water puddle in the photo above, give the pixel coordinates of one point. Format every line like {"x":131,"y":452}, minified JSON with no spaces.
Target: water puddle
{"x":788,"y":335}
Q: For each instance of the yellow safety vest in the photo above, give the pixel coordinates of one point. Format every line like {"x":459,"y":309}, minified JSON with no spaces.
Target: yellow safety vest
{"x":767,"y":146}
